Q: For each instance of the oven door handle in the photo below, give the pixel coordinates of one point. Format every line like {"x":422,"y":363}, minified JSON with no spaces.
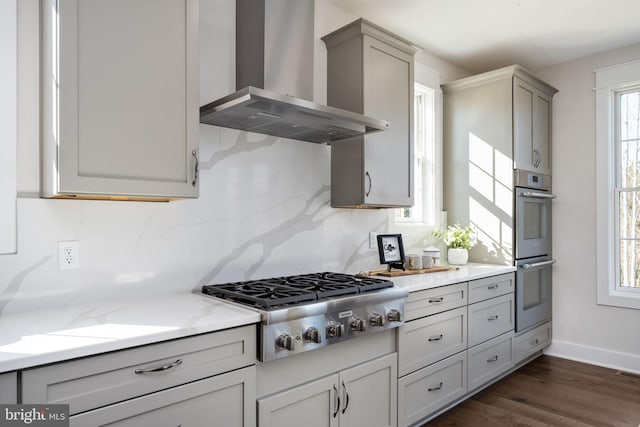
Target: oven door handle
{"x":538,"y":195}
{"x":538,"y":264}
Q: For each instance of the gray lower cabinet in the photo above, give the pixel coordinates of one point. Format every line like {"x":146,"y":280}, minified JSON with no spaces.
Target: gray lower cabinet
{"x":171,"y":381}
{"x":427,"y":390}
{"x":224,"y":400}
{"x":364,"y":395}
{"x":120,"y":99}
{"x":456,"y":339}
{"x":370,"y":71}
{"x":531,"y":342}
{"x":9,"y":388}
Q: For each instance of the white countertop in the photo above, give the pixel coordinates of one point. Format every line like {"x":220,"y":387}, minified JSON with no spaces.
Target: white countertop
{"x":40,"y":337}
{"x":37,"y":338}
{"x":419,"y":282}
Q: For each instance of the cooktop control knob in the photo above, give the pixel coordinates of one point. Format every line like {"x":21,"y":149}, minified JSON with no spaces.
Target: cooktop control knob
{"x":357,"y":324}
{"x":394,"y":316}
{"x":312,"y":334}
{"x":334,"y":329}
{"x":285,"y":342}
{"x":376,"y":320}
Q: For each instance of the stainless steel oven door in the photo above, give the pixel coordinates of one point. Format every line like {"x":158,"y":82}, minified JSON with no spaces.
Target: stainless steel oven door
{"x":533,"y":223}
{"x":533,"y":292}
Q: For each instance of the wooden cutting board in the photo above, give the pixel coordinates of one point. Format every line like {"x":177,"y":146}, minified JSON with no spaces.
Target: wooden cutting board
{"x":396,"y":273}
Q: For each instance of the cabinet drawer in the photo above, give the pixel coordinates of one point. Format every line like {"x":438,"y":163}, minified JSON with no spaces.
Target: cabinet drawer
{"x":101,"y":380}
{"x":427,"y":390}
{"x":436,"y":300}
{"x":490,"y":318}
{"x":532,"y":341}
{"x":429,"y":339}
{"x":226,"y":400}
{"x":490,"y":359}
{"x":490,"y":287}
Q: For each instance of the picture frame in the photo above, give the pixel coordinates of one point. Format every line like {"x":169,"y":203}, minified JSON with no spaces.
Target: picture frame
{"x":391,"y":250}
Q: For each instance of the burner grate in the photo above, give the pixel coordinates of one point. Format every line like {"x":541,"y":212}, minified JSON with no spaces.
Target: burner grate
{"x":294,"y":290}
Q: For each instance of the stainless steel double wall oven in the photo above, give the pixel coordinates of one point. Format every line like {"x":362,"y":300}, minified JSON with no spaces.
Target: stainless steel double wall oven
{"x":533,"y":257}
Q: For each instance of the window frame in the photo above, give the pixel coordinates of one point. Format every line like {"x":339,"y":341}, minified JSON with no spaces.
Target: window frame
{"x":610,"y":83}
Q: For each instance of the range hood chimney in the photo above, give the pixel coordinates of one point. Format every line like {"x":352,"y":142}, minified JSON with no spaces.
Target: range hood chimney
{"x":274,"y":83}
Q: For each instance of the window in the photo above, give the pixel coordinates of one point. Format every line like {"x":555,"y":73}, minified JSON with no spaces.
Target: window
{"x":423,"y":212}
{"x":618,"y":184}
{"x":627,"y":189}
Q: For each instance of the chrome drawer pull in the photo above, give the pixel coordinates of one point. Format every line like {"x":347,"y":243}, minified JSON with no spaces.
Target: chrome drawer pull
{"x":159,"y":368}
{"x":493,"y":287}
{"x":436,"y":388}
{"x":494,"y":317}
{"x":439,"y":299}
{"x":493,"y":359}
{"x":534,"y":342}
{"x":436,"y":338}
{"x":337,"y":396}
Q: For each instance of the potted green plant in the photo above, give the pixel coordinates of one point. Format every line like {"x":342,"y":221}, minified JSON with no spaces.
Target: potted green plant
{"x":458,"y":240}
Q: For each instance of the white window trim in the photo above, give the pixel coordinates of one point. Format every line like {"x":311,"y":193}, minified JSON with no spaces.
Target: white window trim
{"x":608,"y":81}
{"x":412,"y":231}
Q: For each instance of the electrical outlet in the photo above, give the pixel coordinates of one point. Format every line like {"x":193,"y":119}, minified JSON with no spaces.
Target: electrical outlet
{"x":68,"y":255}
{"x":373,"y":240}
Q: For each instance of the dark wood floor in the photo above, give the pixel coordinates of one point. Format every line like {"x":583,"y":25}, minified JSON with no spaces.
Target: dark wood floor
{"x":552,"y":392}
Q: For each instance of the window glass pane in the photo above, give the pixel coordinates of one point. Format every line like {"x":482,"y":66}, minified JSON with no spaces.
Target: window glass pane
{"x":629,"y":133}
{"x":629,"y":214}
{"x":630,"y":263}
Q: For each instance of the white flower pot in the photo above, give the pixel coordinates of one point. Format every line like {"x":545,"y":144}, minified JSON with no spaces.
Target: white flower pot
{"x":457,"y":256}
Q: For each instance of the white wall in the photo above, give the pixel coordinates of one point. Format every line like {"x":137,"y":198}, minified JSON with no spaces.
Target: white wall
{"x":263,"y":208}
{"x":582,"y":329}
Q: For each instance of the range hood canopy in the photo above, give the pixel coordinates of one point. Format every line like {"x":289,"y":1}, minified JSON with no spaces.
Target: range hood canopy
{"x":287,"y":28}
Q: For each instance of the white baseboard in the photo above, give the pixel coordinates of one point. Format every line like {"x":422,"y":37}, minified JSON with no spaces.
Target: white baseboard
{"x":595,"y":356}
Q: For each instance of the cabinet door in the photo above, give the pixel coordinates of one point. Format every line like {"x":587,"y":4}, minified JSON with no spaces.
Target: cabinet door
{"x":532,"y":127}
{"x":542,"y":132}
{"x":369,"y":394}
{"x":120,"y":98}
{"x":316,"y":404}
{"x":9,"y":388}
{"x":388,"y":155}
{"x":226,"y":400}
{"x":8,"y":124}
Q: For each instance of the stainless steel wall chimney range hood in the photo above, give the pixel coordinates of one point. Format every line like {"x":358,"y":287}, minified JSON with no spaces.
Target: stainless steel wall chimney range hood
{"x":274,"y":56}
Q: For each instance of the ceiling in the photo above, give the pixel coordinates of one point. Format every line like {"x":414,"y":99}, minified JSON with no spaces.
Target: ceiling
{"x":481,"y":35}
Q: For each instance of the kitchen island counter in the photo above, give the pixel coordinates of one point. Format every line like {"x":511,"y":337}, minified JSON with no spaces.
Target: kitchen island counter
{"x":41,"y":337}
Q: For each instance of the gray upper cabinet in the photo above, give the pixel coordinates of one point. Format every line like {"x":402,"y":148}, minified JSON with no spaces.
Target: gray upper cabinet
{"x":509,"y":109}
{"x":370,"y":71}
{"x":531,"y":127}
{"x":8,"y":124}
{"x":120,"y":99}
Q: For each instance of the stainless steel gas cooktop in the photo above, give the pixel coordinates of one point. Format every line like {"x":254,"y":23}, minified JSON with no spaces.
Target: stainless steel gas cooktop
{"x":310,"y":311}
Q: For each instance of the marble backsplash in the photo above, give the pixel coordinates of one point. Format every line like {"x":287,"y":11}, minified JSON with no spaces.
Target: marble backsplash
{"x":263,"y":211}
